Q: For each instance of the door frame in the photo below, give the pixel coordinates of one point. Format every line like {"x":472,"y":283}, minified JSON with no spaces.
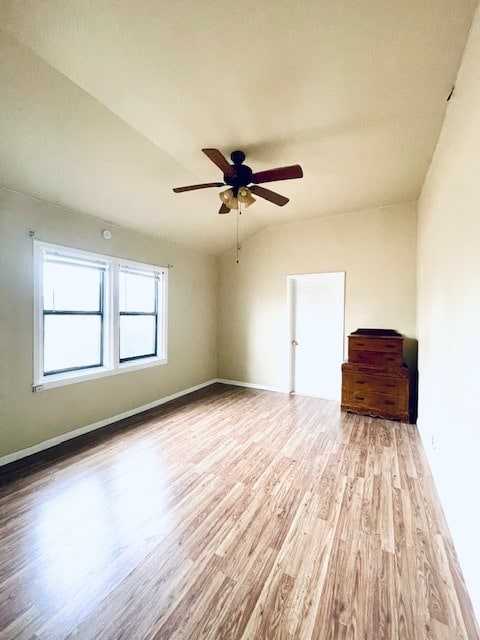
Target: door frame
{"x":291,"y":281}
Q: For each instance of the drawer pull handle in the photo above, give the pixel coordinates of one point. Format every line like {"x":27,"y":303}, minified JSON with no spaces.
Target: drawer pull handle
{"x":359,"y":381}
{"x":360,"y":344}
{"x":359,"y":398}
{"x":390,"y":384}
{"x":389,"y":402}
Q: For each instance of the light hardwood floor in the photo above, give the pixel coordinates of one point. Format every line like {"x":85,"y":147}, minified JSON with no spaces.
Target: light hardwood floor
{"x":235,"y":514}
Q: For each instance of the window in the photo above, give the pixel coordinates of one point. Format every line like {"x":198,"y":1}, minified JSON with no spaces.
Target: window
{"x":95,"y":315}
{"x":138,"y":314}
{"x":73,"y":301}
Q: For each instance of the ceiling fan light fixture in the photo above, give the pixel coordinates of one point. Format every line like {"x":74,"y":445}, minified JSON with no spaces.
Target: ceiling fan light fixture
{"x":245,"y":196}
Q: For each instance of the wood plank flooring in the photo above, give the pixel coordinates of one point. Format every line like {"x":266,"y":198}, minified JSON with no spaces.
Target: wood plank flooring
{"x":235,"y":514}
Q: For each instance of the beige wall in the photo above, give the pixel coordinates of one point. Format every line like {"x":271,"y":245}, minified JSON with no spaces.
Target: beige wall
{"x":27,"y":419}
{"x":376,"y":249}
{"x":449,"y":314}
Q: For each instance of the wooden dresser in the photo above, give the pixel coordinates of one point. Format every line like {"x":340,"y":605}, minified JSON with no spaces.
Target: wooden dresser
{"x":375,"y":381}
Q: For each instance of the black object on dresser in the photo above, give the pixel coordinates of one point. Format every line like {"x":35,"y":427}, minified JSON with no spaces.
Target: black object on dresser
{"x":375,"y":381}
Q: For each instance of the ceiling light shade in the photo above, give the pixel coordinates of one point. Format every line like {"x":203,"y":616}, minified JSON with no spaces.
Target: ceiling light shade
{"x":226,"y":196}
{"x":228,"y":199}
{"x":245,"y":196}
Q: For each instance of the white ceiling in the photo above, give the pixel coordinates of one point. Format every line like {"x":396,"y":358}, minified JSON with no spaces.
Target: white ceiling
{"x":105,"y":105}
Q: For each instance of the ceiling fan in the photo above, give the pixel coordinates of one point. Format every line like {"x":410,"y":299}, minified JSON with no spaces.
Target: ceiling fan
{"x":242,"y":182}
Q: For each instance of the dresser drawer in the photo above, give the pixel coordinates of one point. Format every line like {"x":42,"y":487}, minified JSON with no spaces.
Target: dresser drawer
{"x":380,"y":358}
{"x":366,"y":343}
{"x":379,"y":384}
{"x":375,"y":400}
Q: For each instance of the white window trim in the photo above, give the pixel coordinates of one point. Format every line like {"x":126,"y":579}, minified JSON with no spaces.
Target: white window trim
{"x":111,"y":361}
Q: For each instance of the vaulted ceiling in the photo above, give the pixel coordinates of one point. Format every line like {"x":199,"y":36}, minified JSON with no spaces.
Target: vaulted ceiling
{"x":105,"y":106}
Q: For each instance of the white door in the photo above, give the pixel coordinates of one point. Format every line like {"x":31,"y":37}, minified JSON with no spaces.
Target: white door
{"x":317,"y":334}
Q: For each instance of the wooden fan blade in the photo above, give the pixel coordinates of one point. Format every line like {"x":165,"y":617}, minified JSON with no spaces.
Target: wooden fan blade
{"x":219,"y":159}
{"x":224,"y":208}
{"x":281,"y":173}
{"x":276,"y":198}
{"x":192,"y":187}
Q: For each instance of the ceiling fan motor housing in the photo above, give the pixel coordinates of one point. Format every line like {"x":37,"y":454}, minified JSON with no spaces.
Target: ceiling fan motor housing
{"x":241,"y":175}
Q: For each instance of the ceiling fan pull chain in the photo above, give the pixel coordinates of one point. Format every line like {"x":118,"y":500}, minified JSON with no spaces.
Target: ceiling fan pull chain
{"x":239,"y":211}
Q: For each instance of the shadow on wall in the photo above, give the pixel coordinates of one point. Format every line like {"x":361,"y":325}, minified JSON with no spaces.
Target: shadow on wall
{"x":410,"y":356}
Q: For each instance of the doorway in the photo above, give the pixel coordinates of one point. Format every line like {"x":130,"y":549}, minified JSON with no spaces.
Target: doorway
{"x":317,"y":320}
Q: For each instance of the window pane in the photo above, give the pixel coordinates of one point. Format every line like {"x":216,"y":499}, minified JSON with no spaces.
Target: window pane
{"x":71,"y":341}
{"x":137,"y":336}
{"x":137,"y":292}
{"x":71,"y":287}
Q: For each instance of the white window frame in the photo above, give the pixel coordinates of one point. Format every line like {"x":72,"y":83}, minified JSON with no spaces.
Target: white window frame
{"x":111,"y":348}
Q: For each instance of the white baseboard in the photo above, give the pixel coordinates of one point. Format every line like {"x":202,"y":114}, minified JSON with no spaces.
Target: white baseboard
{"x":18,"y":455}
{"x":250,"y":385}
{"x":52,"y":442}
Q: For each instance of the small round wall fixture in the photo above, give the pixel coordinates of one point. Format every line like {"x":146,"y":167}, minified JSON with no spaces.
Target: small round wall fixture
{"x":106,"y":234}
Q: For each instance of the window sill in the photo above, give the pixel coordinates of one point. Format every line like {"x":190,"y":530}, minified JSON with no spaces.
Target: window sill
{"x":64,"y":379}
